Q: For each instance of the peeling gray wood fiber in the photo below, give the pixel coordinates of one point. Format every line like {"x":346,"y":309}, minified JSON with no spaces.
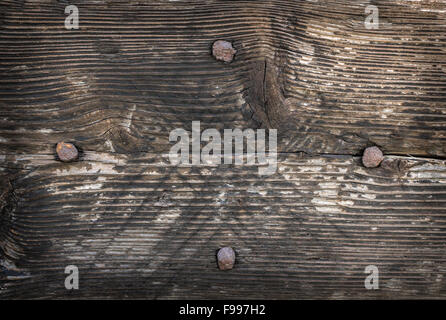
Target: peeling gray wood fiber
{"x":138,"y":227}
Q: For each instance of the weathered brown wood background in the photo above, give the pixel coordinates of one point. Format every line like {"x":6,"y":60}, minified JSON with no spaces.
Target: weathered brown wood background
{"x":138,"y":227}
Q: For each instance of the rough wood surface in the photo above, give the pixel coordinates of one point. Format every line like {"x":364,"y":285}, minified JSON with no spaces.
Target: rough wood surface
{"x":138,"y":227}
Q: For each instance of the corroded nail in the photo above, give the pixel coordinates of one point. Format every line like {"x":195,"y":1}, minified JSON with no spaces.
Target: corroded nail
{"x":223,"y":51}
{"x":226,"y":258}
{"x":66,"y":151}
{"x":372,"y":157}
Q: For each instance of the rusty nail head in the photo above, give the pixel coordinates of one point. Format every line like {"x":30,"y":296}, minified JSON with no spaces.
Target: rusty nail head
{"x":226,"y":258}
{"x":372,"y":157}
{"x":222,"y":50}
{"x":66,"y":151}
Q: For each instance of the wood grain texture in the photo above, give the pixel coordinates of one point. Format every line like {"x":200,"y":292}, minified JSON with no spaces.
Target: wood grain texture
{"x":138,"y":227}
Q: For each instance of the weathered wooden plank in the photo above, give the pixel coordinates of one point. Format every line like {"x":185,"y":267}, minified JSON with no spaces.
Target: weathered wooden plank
{"x":138,"y":227}
{"x":135,"y":70}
